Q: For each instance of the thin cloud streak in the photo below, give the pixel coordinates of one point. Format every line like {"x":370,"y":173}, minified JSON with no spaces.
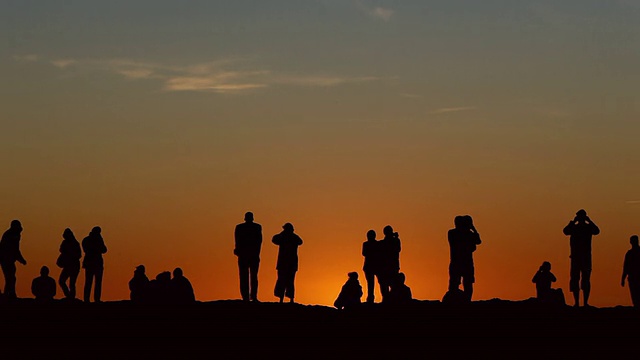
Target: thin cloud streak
{"x":453,"y":109}
{"x":26,"y":58}
{"x":375,"y":12}
{"x":224,"y":76}
{"x":632,"y":201}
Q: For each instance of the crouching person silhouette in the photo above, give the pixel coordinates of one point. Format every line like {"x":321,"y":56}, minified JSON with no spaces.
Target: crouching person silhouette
{"x":351,"y":293}
{"x":400,"y":293}
{"x":543,"y":279}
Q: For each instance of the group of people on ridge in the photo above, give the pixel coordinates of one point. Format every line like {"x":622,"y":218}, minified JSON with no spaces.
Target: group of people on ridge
{"x":381,"y":264}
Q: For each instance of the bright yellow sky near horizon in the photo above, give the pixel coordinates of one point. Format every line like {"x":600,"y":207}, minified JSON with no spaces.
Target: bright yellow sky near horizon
{"x":165,"y":122}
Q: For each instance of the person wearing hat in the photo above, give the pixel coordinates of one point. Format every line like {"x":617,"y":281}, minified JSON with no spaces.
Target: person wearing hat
{"x":138,"y":285}
{"x":9,"y":254}
{"x":581,"y":230}
{"x":287,"y":263}
{"x":93,"y":264}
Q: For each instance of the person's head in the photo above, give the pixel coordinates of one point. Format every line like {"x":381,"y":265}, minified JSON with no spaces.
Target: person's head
{"x":387,"y":231}
{"x":44,"y":271}
{"x":371,"y":235}
{"x":581,"y":215}
{"x":468,"y":221}
{"x":177,"y":272}
{"x":68,"y":234}
{"x":164,"y":276}
{"x":353,"y":275}
{"x":634,"y":240}
{"x":400,"y":278}
{"x":16,"y":225}
{"x":248,"y":216}
{"x":96,"y":230}
{"x":458,"y":222}
{"x":140,"y":269}
{"x":546,"y":266}
{"x":288,"y":227}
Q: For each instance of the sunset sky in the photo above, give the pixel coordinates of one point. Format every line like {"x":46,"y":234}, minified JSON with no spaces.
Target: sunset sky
{"x":164,"y":121}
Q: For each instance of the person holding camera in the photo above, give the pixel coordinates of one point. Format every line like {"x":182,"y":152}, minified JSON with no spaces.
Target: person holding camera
{"x":581,"y":230}
{"x":463,"y":241}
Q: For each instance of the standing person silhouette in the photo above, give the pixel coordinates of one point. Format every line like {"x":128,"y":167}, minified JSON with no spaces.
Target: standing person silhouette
{"x":93,"y":264}
{"x":69,"y":261}
{"x":389,"y":260}
{"x":581,"y":230}
{"x":248,"y":242}
{"x":463,"y":240}
{"x":631,"y":270}
{"x":9,"y":254}
{"x":371,"y":268}
{"x":287,"y":263}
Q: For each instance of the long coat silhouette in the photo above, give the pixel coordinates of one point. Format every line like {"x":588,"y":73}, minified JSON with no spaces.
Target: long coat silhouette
{"x":69,"y":261}
{"x":287,"y":264}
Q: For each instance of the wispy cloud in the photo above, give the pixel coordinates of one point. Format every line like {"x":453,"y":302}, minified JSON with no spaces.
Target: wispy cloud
{"x":632,"y":201}
{"x":411,"y":96}
{"x":63,"y":63}
{"x":26,"y":58}
{"x":453,"y":109}
{"x":222,"y":76}
{"x":376,"y":12}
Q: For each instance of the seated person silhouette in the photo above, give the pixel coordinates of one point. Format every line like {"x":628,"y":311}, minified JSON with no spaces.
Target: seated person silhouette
{"x":400,"y":293}
{"x":139,"y":285}
{"x":543,"y":279}
{"x":44,"y":286}
{"x":350,"y":294}
{"x":181,"y":289}
{"x":160,"y":288}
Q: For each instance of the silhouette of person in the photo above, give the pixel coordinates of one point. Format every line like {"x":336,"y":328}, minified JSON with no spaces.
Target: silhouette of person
{"x":400,"y":293}
{"x":543,"y":279}
{"x":160,"y":288}
{"x":9,"y":254}
{"x":44,"y":286}
{"x":181,"y":289}
{"x":350,"y":294}
{"x":389,"y":259}
{"x":631,"y":271}
{"x":139,"y":285}
{"x":93,"y":264}
{"x":69,"y":261}
{"x":287,"y":263}
{"x":371,"y":268}
{"x":581,"y":230}
{"x":463,"y":241}
{"x":248,"y":242}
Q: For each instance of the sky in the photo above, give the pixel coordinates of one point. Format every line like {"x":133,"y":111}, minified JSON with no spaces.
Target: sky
{"x":163,"y":122}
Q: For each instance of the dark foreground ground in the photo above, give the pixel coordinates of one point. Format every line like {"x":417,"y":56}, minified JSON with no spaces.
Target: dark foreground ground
{"x":232,"y":329}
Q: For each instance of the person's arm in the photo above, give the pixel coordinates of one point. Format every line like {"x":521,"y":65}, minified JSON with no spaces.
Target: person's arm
{"x":535,"y":277}
{"x":236,"y":236}
{"x":553,"y":277}
{"x":276,"y":239}
{"x":104,"y":247}
{"x":595,"y":230}
{"x":568,"y":230}
{"x":20,"y":258}
{"x":625,"y":269}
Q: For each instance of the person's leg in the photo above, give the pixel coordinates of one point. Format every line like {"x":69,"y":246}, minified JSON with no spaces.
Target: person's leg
{"x":253,"y":272}
{"x":62,"y":281}
{"x":97,"y":294}
{"x":370,"y":277}
{"x":383,"y":281}
{"x":243,"y":269}
{"x":88,"y":280}
{"x":634,"y":290}
{"x":73,"y":278}
{"x":454,"y":278}
{"x":467,"y":288}
{"x":278,"y":291}
{"x":9,"y":270}
{"x":574,"y":284}
{"x":291,"y":289}
{"x":586,"y":286}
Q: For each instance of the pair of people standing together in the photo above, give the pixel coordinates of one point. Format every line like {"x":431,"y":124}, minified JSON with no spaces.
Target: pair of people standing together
{"x":248,"y":243}
{"x":381,"y":262}
{"x":93,"y":263}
